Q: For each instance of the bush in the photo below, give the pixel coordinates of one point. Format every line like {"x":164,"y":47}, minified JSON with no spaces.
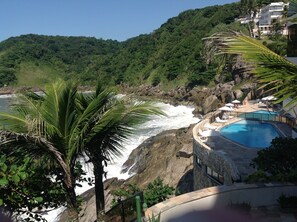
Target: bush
{"x":7,"y":76}
{"x":276,"y":163}
{"x":156,"y":80}
{"x":157,"y":192}
{"x":154,"y":193}
{"x":287,"y":202}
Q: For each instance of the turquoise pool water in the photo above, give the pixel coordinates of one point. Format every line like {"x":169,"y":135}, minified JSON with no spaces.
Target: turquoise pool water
{"x":260,"y":115}
{"x":250,"y":133}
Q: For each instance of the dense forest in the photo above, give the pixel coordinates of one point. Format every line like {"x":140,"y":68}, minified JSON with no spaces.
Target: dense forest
{"x":170,"y":56}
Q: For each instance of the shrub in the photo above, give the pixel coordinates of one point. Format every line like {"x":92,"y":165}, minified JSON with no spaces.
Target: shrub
{"x":287,"y":201}
{"x":156,"y":80}
{"x":276,"y":163}
{"x":157,"y":192}
{"x":154,"y":193}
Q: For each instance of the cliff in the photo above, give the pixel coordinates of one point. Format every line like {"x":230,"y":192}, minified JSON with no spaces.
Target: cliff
{"x":167,"y":155}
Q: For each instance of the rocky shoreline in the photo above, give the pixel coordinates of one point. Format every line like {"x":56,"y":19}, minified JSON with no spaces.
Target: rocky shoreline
{"x":204,"y":99}
{"x":169,"y":154}
{"x":9,"y":90}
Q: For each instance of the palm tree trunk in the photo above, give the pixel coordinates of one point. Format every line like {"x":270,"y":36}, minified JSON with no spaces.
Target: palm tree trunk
{"x":72,"y":207}
{"x":99,"y":190}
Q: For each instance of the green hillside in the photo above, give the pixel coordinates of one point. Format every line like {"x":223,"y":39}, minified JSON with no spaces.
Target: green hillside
{"x":169,"y":56}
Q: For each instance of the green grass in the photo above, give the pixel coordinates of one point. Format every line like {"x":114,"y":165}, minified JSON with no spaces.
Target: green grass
{"x":36,"y":74}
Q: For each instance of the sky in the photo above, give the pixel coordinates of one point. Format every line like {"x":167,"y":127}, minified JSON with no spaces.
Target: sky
{"x":106,"y":19}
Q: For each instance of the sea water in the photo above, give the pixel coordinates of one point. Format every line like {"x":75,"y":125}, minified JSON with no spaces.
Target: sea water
{"x":176,"y":117}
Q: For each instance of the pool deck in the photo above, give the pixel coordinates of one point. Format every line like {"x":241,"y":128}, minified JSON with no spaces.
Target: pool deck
{"x":237,"y":153}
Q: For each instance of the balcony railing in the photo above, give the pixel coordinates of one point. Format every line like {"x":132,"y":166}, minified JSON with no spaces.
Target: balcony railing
{"x":292,"y":122}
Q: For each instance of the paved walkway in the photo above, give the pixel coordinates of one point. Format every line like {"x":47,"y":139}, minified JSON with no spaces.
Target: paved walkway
{"x":273,"y":214}
{"x":211,"y":204}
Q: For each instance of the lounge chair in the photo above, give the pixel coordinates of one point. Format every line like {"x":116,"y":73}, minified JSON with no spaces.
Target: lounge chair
{"x":208,"y":126}
{"x":207,"y":133}
{"x":226,"y":116}
{"x":219,"y":120}
{"x":202,"y":135}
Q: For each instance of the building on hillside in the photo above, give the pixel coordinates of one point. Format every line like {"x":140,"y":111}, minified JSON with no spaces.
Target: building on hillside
{"x":270,"y":13}
{"x":292,"y":37}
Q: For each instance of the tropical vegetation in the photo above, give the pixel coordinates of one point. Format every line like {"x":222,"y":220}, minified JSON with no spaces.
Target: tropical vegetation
{"x":251,"y":7}
{"x":276,"y":163}
{"x":169,"y":56}
{"x":63,"y":124}
{"x":26,"y":188}
{"x":274,"y":73}
{"x":155,"y":192}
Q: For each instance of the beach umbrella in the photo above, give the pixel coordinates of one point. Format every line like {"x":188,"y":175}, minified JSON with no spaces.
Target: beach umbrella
{"x":272,"y":98}
{"x":229,"y":104}
{"x":226,"y":108}
{"x":236,"y":101}
{"x":269,"y":98}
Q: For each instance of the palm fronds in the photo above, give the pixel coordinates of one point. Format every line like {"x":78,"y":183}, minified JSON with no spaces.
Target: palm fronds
{"x":273,"y":72}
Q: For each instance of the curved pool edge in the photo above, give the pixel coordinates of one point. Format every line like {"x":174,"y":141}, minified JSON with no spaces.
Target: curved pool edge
{"x":251,"y":134}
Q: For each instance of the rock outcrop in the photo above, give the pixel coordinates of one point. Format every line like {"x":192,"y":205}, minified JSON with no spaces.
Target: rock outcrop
{"x":205,"y":99}
{"x":167,"y":155}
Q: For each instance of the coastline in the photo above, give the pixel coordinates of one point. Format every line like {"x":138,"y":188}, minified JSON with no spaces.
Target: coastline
{"x":180,"y":112}
{"x":175,"y":97}
{"x":8,"y":90}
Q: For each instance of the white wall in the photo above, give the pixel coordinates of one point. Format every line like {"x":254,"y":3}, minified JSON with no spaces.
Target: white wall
{"x":220,"y":197}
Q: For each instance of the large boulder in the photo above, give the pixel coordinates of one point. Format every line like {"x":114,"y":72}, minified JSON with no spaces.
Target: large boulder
{"x":167,"y":155}
{"x":238,"y":94}
{"x":211,"y":103}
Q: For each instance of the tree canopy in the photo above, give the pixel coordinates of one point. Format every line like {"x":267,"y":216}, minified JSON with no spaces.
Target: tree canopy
{"x":169,"y":56}
{"x":273,"y":72}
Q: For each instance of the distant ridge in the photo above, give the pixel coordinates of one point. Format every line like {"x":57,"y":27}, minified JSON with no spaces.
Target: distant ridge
{"x":169,"y":56}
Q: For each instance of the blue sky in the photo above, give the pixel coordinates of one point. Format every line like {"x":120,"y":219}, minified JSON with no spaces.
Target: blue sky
{"x":107,"y":19}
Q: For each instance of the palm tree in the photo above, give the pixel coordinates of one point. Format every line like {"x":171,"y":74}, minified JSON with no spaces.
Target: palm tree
{"x":110,"y":121}
{"x":65,"y":124}
{"x":47,"y":123}
{"x":273,"y":72}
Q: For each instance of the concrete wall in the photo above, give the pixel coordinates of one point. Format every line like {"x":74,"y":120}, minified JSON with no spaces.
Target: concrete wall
{"x":218,"y":197}
{"x":213,"y":159}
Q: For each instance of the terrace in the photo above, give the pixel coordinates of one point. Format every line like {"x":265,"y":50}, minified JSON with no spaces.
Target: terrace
{"x":218,"y":160}
{"x":211,"y":204}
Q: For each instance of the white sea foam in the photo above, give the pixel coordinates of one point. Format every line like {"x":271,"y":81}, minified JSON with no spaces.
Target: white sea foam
{"x":4,"y":96}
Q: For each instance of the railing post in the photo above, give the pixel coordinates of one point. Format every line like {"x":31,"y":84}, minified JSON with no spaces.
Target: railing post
{"x":138,"y":208}
{"x":122,"y":210}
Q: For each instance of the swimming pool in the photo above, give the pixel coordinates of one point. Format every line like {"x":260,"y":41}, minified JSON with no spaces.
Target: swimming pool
{"x":260,"y":115}
{"x":250,"y":133}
